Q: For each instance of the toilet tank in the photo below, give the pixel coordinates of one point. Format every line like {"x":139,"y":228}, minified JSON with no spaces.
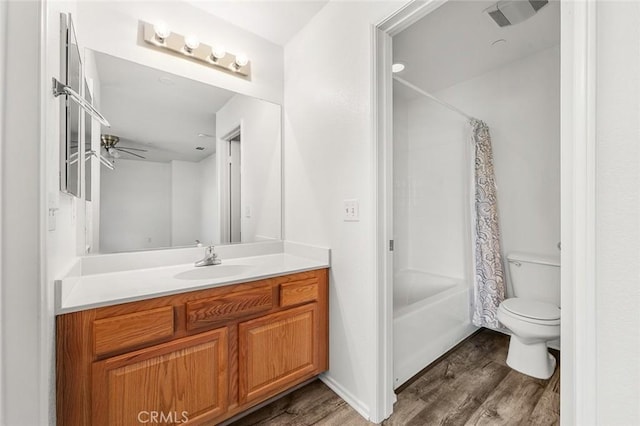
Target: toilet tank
{"x":535,"y":277}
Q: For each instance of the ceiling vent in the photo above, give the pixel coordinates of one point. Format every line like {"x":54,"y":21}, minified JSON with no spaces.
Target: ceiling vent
{"x":510,"y":12}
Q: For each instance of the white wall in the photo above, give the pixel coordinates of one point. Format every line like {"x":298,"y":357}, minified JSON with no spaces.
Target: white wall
{"x":26,"y":320}
{"x":3,"y":47}
{"x":260,"y":163}
{"x":186,"y":203}
{"x":148,"y":204}
{"x":62,"y":242}
{"x":521,"y":104}
{"x":136,"y":206}
{"x":329,"y":158}
{"x":431,"y":184}
{"x":401,"y":185}
{"x":112,"y":27}
{"x":618,"y":213}
{"x":63,"y":227}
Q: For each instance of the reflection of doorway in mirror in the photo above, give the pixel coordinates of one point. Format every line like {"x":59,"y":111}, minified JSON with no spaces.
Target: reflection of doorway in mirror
{"x":231,"y":200}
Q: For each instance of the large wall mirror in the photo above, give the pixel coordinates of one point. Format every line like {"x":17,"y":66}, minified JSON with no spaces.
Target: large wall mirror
{"x":183,"y":163}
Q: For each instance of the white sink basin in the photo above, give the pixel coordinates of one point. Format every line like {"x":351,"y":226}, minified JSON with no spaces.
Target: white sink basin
{"x":214,"y":271}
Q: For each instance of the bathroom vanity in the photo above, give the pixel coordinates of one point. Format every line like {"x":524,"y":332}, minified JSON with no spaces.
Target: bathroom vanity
{"x":144,"y":336}
{"x":199,"y":355}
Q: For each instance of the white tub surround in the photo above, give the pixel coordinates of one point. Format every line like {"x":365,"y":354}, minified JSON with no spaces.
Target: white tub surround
{"x":431,"y":315}
{"x":110,"y":279}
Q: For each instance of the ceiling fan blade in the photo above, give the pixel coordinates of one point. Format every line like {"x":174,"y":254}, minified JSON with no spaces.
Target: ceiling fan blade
{"x":130,"y":153}
{"x":132,"y":149}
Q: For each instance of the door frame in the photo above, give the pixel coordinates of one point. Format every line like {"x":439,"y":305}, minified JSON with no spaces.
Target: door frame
{"x":223,"y":182}
{"x":578,"y":222}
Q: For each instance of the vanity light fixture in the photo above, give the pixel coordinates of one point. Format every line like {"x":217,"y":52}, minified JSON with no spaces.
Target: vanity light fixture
{"x":160,"y":37}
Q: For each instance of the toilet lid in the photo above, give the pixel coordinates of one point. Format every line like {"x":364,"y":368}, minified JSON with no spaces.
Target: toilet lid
{"x":533,"y":309}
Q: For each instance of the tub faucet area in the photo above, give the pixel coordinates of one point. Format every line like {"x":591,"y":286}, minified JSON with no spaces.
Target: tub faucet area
{"x":210,"y":258}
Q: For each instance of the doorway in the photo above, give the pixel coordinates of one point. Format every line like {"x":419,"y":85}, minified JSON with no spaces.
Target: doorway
{"x":231,"y":188}
{"x":577,"y":87}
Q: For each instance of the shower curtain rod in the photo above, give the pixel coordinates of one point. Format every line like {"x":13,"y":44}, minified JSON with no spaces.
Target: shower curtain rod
{"x":430,"y":96}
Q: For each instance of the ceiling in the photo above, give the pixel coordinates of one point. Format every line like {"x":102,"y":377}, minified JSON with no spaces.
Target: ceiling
{"x":454,"y":43}
{"x":160,"y":112}
{"x":275,"y":20}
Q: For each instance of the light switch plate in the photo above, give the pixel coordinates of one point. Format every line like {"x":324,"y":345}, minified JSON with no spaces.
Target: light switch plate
{"x":351,"y":210}
{"x":51,"y":220}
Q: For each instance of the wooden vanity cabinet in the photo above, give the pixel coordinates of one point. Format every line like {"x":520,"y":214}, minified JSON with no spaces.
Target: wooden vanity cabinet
{"x":194,"y":358}
{"x":277,"y":350}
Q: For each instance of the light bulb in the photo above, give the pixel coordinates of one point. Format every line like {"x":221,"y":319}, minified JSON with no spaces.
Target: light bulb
{"x":162,"y":31}
{"x":397,"y":67}
{"x":218,"y":52}
{"x":191,"y":43}
{"x":113,"y":152}
{"x":241,"y":60}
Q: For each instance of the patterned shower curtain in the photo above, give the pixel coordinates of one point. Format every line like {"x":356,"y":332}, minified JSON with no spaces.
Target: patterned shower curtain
{"x":489,"y":283}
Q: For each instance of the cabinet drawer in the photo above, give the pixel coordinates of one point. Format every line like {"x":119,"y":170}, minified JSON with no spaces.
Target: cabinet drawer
{"x":126,"y":331}
{"x":206,"y":312}
{"x":297,"y":292}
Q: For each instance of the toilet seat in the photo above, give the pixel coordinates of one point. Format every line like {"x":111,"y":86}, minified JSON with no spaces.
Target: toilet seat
{"x":533,"y":311}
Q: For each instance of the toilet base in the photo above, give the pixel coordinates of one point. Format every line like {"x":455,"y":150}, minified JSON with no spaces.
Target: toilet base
{"x":532,"y":359}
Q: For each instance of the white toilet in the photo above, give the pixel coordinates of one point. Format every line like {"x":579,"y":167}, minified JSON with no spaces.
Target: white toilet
{"x":533,"y":315}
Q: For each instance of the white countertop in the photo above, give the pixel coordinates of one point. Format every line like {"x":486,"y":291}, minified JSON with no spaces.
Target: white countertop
{"x":80,"y":292}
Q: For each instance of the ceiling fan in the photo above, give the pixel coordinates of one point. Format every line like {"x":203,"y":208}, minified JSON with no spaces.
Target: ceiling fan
{"x":109,"y":142}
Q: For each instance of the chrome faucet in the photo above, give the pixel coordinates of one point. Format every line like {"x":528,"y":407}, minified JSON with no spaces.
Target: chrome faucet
{"x":210,"y":258}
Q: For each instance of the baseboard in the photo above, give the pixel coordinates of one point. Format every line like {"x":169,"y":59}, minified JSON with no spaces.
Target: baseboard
{"x":348,"y":397}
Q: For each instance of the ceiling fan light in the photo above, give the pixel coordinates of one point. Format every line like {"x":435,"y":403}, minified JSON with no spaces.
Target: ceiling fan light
{"x":113,"y":152}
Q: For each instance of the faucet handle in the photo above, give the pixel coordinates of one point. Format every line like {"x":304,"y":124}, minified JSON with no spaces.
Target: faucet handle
{"x":210,"y":251}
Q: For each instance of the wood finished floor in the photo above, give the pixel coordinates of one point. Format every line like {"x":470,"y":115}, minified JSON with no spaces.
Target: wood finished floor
{"x":472,"y":385}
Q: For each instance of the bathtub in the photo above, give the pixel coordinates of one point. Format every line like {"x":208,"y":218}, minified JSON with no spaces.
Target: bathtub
{"x":431,"y":315}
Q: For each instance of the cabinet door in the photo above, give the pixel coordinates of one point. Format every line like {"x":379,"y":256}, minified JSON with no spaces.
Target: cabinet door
{"x":277,"y":350}
{"x":180,"y":382}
